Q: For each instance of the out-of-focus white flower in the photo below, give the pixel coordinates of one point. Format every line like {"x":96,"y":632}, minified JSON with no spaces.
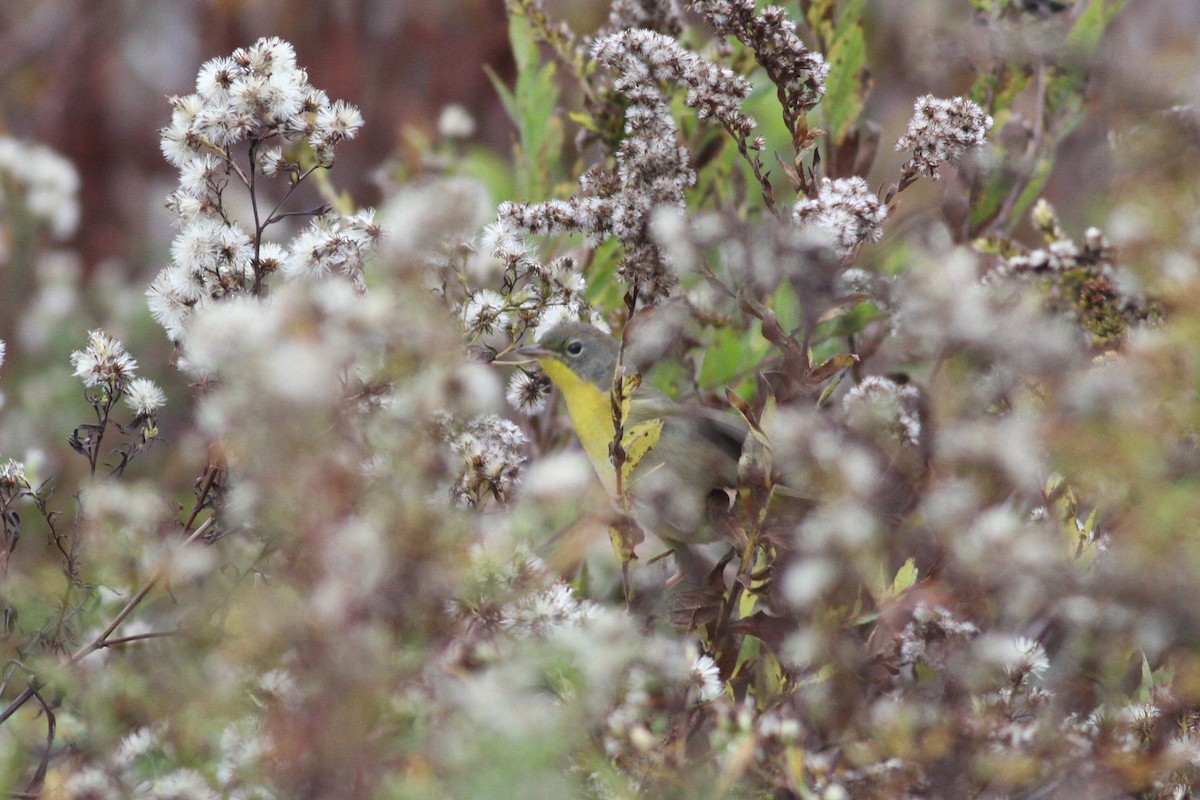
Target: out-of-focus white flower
{"x":528,"y":392}
{"x":103,"y":361}
{"x":12,"y":475}
{"x":931,"y":635}
{"x":485,"y":312}
{"x":144,"y":397}
{"x":137,"y":744}
{"x":882,"y":402}
{"x":706,"y":679}
{"x":243,"y":744}
{"x":168,"y":307}
{"x":281,"y":686}
{"x":455,"y":122}
{"x":571,"y":312}
{"x":1027,"y":657}
{"x":537,"y":614}
{"x":182,"y":784}
{"x":91,"y":782}
{"x":47,"y":184}
{"x":553,"y":315}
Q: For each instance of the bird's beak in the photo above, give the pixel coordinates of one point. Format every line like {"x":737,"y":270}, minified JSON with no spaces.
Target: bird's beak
{"x":530,"y":352}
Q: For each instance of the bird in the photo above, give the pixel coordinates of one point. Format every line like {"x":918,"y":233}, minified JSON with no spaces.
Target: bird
{"x":681,"y":459}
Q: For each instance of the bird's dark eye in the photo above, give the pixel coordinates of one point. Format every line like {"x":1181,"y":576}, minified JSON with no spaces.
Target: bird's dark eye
{"x":575,"y":348}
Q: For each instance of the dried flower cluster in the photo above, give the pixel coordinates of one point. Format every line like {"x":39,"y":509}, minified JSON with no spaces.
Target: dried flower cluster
{"x":653,"y":169}
{"x":534,"y":295}
{"x":798,"y":73}
{"x":879,"y":401}
{"x":103,"y":362}
{"x":941,"y":131}
{"x":663,"y":16}
{"x":528,"y":392}
{"x":1080,"y":279}
{"x":492,"y":450}
{"x":846,"y":210}
{"x":260,"y":100}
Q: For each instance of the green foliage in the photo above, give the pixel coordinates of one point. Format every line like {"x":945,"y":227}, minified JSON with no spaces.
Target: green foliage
{"x":847,"y":54}
{"x":532,"y":104}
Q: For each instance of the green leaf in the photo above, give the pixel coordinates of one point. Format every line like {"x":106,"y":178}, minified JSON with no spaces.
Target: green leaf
{"x":843,"y":90}
{"x":831,"y":366}
{"x":850,"y":15}
{"x":507,"y":98}
{"x":722,"y":358}
{"x":828,"y":391}
{"x":531,"y":104}
{"x":906,"y":578}
{"x":585,"y":121}
{"x":1033,"y":189}
{"x":787,"y":307}
{"x":1001,"y":90}
{"x":487,"y":166}
{"x":1084,"y":37}
{"x":733,"y":353}
{"x":842,"y":325}
{"x":989,"y":199}
{"x":1150,"y":679}
{"x":603,"y":289}
{"x":817,"y":15}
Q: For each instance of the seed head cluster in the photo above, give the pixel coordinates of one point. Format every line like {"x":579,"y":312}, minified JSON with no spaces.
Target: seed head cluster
{"x":941,"y":131}
{"x":664,"y":16}
{"x":1079,"y":279}
{"x":492,"y":450}
{"x":653,"y":169}
{"x":798,"y":72}
{"x":884,"y":403}
{"x":251,"y":115}
{"x":846,"y":210}
{"x":103,"y":362}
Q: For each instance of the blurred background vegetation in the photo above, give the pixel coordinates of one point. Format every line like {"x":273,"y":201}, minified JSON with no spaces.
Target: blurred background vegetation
{"x":90,"y":80}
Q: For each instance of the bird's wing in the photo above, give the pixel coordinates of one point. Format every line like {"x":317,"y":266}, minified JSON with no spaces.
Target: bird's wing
{"x":720,"y":434}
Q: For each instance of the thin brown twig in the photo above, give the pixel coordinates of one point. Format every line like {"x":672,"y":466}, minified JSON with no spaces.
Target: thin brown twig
{"x":210,"y":476}
{"x":159,"y":574}
{"x":139,"y":638}
{"x":39,"y":777}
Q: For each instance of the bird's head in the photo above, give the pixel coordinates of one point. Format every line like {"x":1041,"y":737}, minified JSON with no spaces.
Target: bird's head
{"x":584,"y":350}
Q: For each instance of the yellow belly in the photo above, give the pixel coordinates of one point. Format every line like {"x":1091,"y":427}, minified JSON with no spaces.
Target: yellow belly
{"x":591,"y":415}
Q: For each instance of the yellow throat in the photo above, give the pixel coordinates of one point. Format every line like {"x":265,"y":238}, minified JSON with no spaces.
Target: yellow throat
{"x":590,"y":409}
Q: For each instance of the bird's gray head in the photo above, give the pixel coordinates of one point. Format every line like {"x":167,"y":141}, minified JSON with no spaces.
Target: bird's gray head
{"x":588,"y":351}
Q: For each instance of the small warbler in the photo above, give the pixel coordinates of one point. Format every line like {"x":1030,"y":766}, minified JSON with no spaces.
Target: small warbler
{"x":676,"y":455}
